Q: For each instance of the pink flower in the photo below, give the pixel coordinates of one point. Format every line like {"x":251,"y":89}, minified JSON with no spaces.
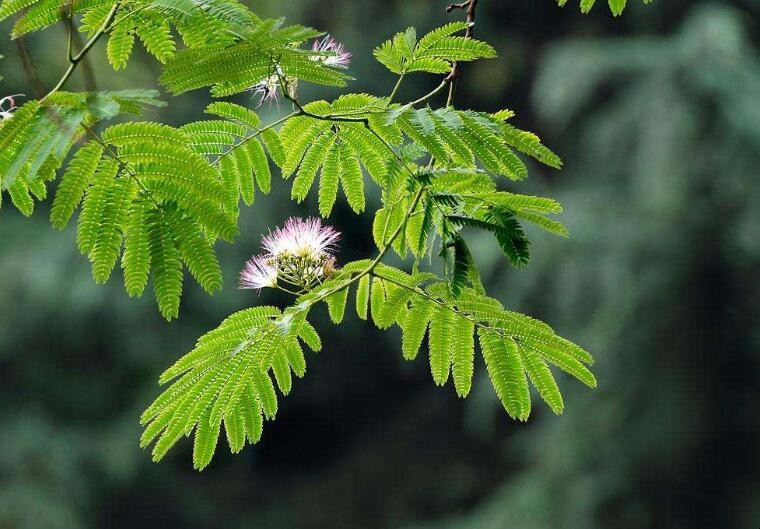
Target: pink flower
{"x":8,"y":105}
{"x":301,"y":238}
{"x":331,"y":52}
{"x":258,"y":273}
{"x":298,"y":254}
{"x":267,"y":90}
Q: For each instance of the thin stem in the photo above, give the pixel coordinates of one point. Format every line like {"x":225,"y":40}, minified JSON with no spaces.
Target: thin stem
{"x":70,"y":32}
{"x":255,"y":134}
{"x":30,"y":69}
{"x":440,"y":303}
{"x":74,"y":61}
{"x":62,"y":81}
{"x":395,"y":88}
{"x":452,"y":92}
{"x":127,"y":15}
{"x":280,"y":287}
{"x":437,"y":90}
{"x":304,"y":112}
{"x":469,"y":7}
{"x":88,"y":73}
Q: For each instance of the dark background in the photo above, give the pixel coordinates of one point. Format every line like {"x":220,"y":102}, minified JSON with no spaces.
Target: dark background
{"x":657,"y":116}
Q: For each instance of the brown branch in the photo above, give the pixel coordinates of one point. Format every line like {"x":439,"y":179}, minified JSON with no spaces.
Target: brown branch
{"x":30,"y":69}
{"x":76,"y":59}
{"x":88,"y":73}
{"x":469,"y":7}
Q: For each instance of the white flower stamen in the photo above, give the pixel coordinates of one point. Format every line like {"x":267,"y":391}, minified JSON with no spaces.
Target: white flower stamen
{"x":7,"y":106}
{"x":258,"y":273}
{"x":299,"y":254}
{"x":331,"y":52}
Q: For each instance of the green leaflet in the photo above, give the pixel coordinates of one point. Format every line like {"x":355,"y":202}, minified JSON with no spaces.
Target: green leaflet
{"x":281,"y":371}
{"x":505,"y":370}
{"x":235,"y":145}
{"x":197,"y":252}
{"x":235,"y":68}
{"x":352,"y":180}
{"x":94,"y":203}
{"x":541,"y":377}
{"x":146,"y":192}
{"x":230,"y":376}
{"x":616,"y":6}
{"x":441,"y":341}
{"x":155,"y":33}
{"x":362,"y":297}
{"x":166,"y":265}
{"x":204,"y":445}
{"x":74,"y":183}
{"x":462,"y":355}
{"x":414,"y":328}
{"x":394,"y":306}
{"x":434,"y":52}
{"x":151,"y":20}
{"x":136,"y":258}
{"x":112,"y":221}
{"x":328,"y":182}
{"x":37,"y":138}
{"x":336,"y":304}
{"x":234,"y":427}
{"x":251,"y":413}
{"x":121,"y":42}
{"x":377,"y":300}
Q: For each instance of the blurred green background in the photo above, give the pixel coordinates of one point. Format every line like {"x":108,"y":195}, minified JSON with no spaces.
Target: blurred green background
{"x":657,"y":116}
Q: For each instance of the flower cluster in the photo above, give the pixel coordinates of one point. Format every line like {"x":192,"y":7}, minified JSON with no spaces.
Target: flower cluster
{"x":299,"y":254}
{"x":269,"y":88}
{"x":327,"y":50}
{"x":7,"y":106}
{"x":331,"y":52}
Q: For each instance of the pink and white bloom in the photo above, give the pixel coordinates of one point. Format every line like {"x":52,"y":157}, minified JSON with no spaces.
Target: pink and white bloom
{"x":302,"y":238}
{"x":331,"y":52}
{"x":267,"y":90}
{"x":7,"y":106}
{"x":270,"y":88}
{"x":259,"y":272}
{"x":299,"y":254}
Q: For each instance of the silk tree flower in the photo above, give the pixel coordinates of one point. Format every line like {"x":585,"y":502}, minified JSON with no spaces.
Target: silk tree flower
{"x":331,"y":52}
{"x":270,"y":88}
{"x":7,"y":106}
{"x":299,"y":254}
{"x":267,"y":90}
{"x":301,"y":238}
{"x":258,"y":273}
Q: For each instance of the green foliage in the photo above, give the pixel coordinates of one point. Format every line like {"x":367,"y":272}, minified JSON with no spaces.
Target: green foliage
{"x":265,"y":50}
{"x":150,"y":20}
{"x":36,"y":140}
{"x":616,"y":6}
{"x":253,"y":345}
{"x":156,"y":198}
{"x":142,"y":190}
{"x":433,"y":53}
{"x":228,"y":378}
{"x":233,"y":145}
{"x":159,"y":198}
{"x":336,"y":151}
